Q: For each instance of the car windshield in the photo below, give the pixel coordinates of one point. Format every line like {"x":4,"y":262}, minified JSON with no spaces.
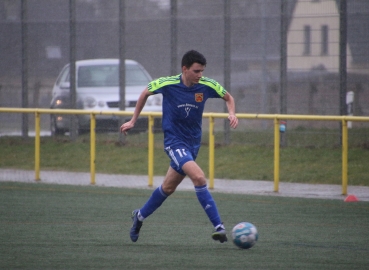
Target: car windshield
{"x":108,"y":75}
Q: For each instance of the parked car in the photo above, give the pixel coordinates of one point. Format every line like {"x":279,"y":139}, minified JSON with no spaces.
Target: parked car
{"x":97,"y":88}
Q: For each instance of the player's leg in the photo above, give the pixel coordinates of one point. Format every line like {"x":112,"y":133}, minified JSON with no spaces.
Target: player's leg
{"x":172,"y":181}
{"x":206,"y":200}
{"x":160,"y":194}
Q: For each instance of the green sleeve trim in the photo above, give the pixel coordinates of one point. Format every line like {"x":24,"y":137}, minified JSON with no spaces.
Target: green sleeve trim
{"x":214,"y":85}
{"x":163,"y":81}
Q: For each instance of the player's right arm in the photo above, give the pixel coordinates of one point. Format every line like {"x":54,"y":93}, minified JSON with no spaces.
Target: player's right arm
{"x":139,"y":106}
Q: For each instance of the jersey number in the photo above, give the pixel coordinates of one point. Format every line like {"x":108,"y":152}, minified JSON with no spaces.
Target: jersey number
{"x":181,"y":152}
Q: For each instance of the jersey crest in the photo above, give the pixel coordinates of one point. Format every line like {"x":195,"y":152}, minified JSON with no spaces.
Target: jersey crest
{"x":199,"y":97}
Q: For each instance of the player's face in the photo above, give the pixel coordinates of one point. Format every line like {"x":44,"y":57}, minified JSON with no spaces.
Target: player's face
{"x":193,"y":74}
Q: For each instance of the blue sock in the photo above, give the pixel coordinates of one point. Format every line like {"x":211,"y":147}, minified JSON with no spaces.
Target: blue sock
{"x":154,"y":202}
{"x":208,"y":204}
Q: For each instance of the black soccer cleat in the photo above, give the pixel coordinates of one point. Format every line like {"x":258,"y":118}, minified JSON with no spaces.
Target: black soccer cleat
{"x":136,"y":226}
{"x":220,"y":234}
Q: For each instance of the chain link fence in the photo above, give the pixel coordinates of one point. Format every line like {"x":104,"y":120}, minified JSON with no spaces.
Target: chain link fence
{"x":274,"y":56}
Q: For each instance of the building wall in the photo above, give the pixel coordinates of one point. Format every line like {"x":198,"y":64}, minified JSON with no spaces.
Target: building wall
{"x":315,"y":14}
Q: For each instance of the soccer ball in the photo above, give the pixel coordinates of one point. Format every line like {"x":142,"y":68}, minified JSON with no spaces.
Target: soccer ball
{"x":245,"y":235}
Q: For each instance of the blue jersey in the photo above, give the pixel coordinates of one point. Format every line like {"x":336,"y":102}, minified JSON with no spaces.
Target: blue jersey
{"x":183,"y":108}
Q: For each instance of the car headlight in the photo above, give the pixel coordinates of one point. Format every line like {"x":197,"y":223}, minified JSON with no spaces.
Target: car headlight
{"x":89,"y":102}
{"x":101,"y":103}
{"x":58,"y":102}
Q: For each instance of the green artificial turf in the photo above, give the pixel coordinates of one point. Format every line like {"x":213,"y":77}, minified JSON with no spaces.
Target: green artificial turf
{"x":47,"y":226}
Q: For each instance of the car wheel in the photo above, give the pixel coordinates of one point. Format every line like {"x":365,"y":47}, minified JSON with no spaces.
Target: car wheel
{"x":55,"y":131}
{"x":80,"y":129}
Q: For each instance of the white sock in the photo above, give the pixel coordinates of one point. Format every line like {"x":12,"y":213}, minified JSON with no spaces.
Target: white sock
{"x":140,"y":217}
{"x":219,"y":226}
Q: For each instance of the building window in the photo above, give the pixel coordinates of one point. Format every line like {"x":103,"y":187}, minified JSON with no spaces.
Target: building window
{"x":307,"y":40}
{"x":324,"y":40}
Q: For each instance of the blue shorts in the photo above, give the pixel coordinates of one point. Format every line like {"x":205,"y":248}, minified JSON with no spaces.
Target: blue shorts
{"x":179,"y":155}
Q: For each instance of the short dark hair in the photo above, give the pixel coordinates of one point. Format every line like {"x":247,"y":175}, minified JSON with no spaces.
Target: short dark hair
{"x":191,"y":57}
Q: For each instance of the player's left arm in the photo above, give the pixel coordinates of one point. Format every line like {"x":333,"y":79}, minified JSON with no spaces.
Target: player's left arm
{"x":233,"y":120}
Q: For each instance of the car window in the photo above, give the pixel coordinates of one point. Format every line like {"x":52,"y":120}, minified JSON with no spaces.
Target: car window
{"x":135,"y":75}
{"x":108,"y":75}
{"x":64,"y":75}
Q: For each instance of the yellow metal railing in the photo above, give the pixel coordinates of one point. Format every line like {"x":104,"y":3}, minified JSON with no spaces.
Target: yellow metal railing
{"x":211,"y":116}
{"x":276,"y":154}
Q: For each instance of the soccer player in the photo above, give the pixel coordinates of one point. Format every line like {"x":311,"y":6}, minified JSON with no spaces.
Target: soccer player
{"x":184,"y":97}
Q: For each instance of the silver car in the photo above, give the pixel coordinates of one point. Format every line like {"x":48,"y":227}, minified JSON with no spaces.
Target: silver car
{"x":97,"y":88}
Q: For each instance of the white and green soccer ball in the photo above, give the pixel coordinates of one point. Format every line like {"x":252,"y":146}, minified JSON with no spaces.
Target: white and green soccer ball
{"x":245,"y":235}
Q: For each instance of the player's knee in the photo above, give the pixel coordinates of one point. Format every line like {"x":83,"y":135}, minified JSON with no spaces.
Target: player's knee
{"x":168,"y":189}
{"x":198,"y":180}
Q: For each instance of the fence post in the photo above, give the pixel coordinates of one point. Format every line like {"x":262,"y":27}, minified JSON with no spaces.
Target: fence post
{"x":37,"y":146}
{"x":344,"y":157}
{"x":92,"y":147}
{"x":211,"y":152}
{"x":276,"y":154}
{"x":173,"y":36}
{"x":151,"y":150}
{"x":25,"y":45}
